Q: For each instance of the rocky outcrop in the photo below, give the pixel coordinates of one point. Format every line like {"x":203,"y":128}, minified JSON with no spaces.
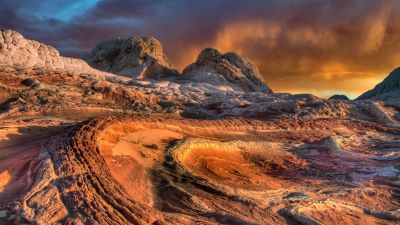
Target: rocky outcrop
{"x":228,"y":69}
{"x":39,"y":91}
{"x":388,"y":89}
{"x":339,"y":97}
{"x":136,"y":57}
{"x":19,"y":52}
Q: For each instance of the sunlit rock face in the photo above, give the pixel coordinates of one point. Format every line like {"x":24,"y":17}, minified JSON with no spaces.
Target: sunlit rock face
{"x":229,"y":69}
{"x":213,"y":146}
{"x":136,"y":57}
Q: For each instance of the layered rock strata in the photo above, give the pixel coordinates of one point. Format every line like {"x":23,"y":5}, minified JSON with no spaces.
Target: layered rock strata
{"x":268,"y":175}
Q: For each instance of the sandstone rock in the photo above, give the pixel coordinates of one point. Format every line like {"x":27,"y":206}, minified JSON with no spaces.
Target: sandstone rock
{"x":134,"y":57}
{"x":229,"y":69}
{"x":216,"y":174}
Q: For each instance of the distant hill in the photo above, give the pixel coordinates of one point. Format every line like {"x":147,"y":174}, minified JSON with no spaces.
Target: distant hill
{"x":339,"y":97}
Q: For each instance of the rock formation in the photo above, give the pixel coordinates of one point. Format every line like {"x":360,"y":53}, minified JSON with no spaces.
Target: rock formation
{"x":134,"y":57}
{"x":19,"y":52}
{"x":388,"y":89}
{"x":339,"y":97}
{"x":260,"y":176}
{"x":229,"y":69}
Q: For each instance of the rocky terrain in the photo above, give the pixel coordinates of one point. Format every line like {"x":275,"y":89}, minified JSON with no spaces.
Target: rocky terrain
{"x":124,"y":138}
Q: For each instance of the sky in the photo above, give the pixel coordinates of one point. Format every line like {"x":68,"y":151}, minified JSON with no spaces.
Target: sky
{"x":323,"y":47}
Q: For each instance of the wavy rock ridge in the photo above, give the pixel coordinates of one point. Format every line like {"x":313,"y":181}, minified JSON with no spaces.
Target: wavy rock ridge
{"x":214,"y":181}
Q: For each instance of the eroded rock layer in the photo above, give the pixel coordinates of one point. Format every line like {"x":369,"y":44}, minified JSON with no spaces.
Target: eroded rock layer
{"x":219,"y":171}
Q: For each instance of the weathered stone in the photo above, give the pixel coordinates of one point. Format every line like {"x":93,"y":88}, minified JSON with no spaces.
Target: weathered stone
{"x":134,"y":57}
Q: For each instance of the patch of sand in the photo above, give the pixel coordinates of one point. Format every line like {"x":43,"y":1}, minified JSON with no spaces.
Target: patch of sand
{"x":4,"y":179}
{"x":138,"y":145}
{"x":133,"y":157}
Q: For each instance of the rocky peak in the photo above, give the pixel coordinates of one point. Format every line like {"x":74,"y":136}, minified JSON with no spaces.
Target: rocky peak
{"x":209,"y":55}
{"x":136,"y":57}
{"x":229,"y":69}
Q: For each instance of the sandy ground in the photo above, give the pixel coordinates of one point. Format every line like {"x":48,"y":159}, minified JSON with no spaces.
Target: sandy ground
{"x":133,"y":157}
{"x":138,"y":145}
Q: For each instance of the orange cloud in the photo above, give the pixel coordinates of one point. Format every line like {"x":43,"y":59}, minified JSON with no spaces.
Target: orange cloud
{"x":235,"y":36}
{"x":375,"y":28}
{"x":336,"y":50}
{"x":318,"y":47}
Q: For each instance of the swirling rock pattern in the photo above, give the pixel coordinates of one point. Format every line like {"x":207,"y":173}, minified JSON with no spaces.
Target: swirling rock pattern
{"x":219,"y":171}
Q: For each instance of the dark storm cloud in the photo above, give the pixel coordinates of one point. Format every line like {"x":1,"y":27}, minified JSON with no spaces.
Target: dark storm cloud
{"x":316,"y":46}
